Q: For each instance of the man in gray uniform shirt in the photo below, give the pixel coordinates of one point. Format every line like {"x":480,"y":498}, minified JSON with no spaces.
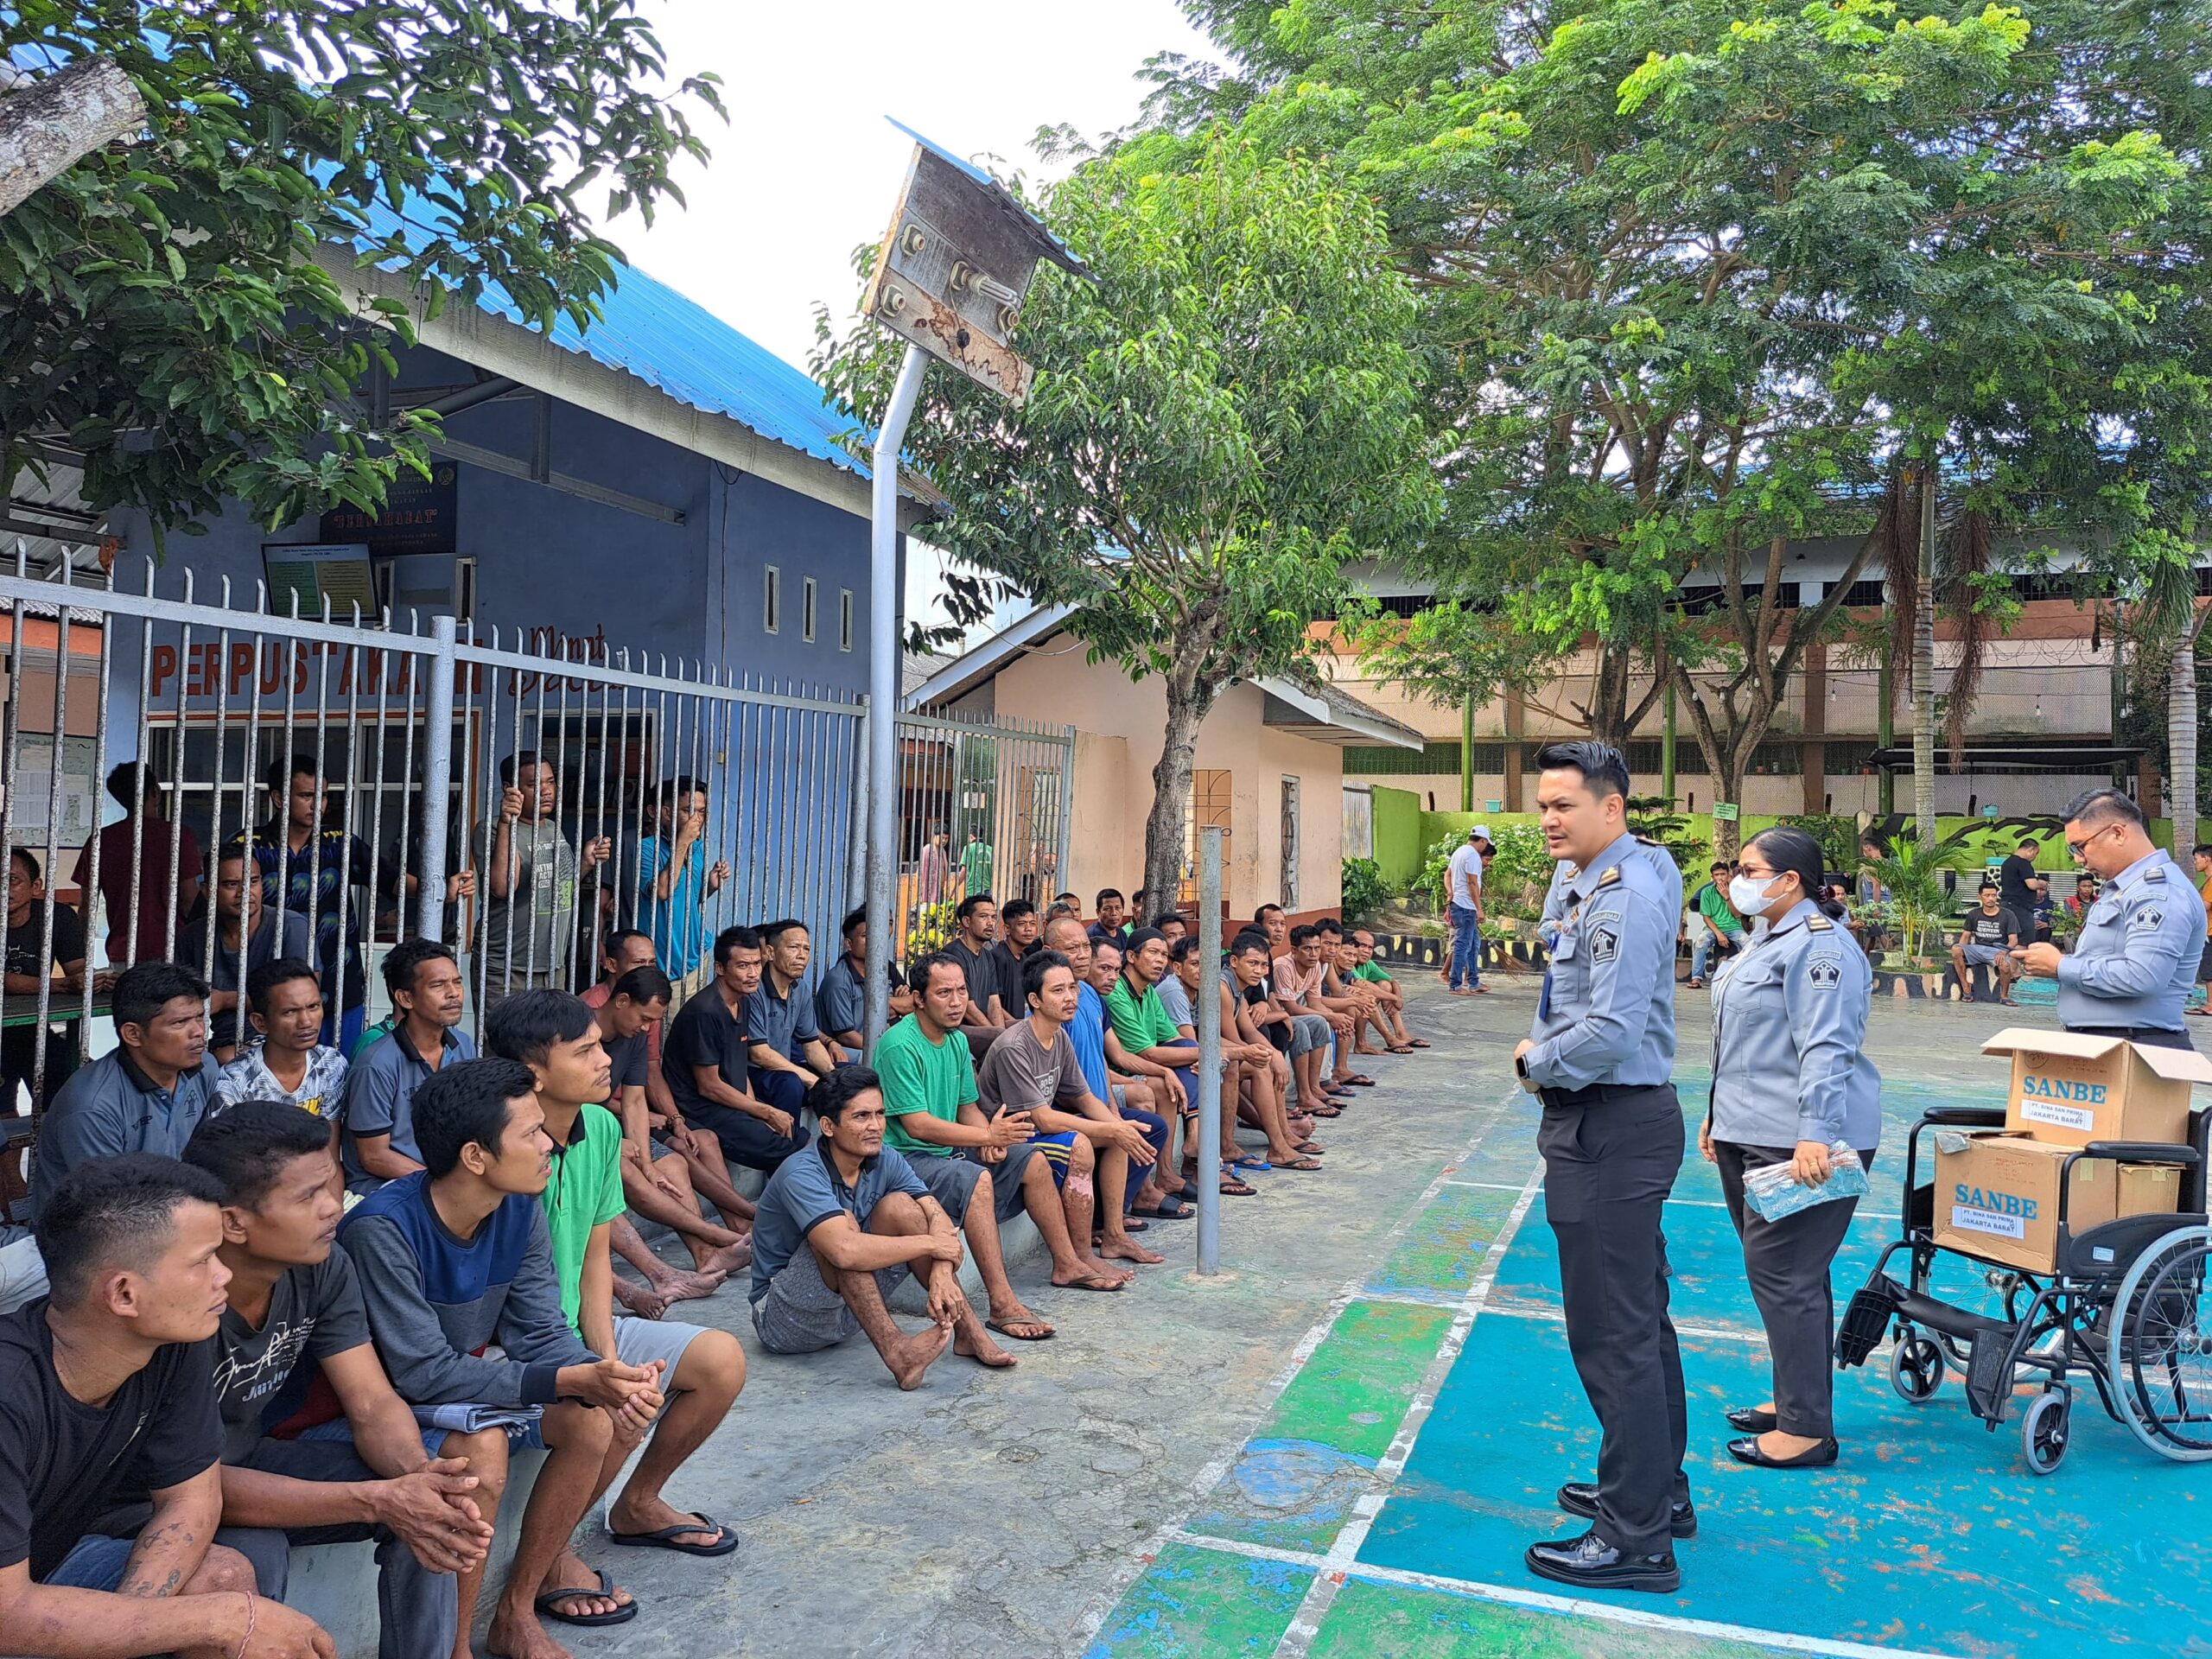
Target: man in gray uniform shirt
{"x":2132,"y":967}
{"x":1600,"y":1056}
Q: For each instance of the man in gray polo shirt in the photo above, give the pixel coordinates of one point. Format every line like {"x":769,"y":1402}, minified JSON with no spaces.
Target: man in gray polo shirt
{"x":784,"y":1045}
{"x":148,"y":1095}
{"x":378,"y":1137}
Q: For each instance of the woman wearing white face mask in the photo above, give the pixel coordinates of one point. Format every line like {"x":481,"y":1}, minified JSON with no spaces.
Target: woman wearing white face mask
{"x":1789,"y":1082}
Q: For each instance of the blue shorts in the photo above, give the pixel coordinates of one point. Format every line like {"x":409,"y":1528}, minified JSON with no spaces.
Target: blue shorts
{"x":94,"y":1564}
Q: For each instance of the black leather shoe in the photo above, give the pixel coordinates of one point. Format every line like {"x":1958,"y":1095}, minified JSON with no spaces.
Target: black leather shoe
{"x":1593,"y":1564}
{"x":1752,"y":1421}
{"x":1580,"y":1498}
{"x":1747,"y":1450}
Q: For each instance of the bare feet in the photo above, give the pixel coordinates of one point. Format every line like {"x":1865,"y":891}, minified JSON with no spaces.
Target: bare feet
{"x":519,"y":1636}
{"x":690,"y":1286}
{"x":981,"y":1349}
{"x":912,"y":1355}
{"x":731,"y":1258}
{"x":1126,"y":1248}
{"x":643,"y":1301}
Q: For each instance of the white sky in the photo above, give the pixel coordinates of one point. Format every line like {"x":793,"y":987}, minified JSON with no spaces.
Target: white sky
{"x":808,"y":167}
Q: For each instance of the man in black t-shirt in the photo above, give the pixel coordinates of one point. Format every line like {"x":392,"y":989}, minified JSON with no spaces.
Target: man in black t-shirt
{"x":131,"y":1249}
{"x":1985,"y":938}
{"x":28,"y":962}
{"x":2018,"y":891}
{"x":296,"y":1318}
{"x":708,"y":1062}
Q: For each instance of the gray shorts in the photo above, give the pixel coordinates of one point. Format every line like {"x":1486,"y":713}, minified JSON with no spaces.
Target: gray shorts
{"x":1307,"y":1032}
{"x":640,"y":1342}
{"x":951,"y":1181}
{"x":799,"y":1314}
{"x":1980,"y":955}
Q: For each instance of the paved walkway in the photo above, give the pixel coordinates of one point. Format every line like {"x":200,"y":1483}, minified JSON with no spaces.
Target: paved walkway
{"x":1338,"y":1447}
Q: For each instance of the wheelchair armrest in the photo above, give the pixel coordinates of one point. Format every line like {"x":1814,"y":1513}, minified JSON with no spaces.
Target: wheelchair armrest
{"x":2141,"y":1152}
{"x":1965,"y":1117}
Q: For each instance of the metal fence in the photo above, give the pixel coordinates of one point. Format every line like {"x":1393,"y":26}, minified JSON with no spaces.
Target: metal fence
{"x":983,"y":808}
{"x":342,"y":759}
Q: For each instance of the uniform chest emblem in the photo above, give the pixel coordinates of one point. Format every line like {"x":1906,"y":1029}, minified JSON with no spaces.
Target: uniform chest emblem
{"x":1826,"y":976}
{"x":1605,"y":943}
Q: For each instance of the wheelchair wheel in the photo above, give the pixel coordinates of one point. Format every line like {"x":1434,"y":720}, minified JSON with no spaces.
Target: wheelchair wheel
{"x":2160,"y":1329}
{"x":2046,"y":1430}
{"x":1915,"y":1368}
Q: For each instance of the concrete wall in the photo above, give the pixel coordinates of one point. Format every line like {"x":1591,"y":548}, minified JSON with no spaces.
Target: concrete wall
{"x":1398,"y":846}
{"x":1119,"y":726}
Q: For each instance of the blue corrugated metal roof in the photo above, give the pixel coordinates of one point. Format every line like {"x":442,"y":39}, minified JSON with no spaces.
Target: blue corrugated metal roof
{"x":676,"y":346}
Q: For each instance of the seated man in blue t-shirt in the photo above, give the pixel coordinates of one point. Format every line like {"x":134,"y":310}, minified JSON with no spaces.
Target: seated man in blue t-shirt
{"x":840,"y":1225}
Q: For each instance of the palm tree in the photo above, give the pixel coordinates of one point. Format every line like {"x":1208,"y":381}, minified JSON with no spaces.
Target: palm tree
{"x":2166,"y":620}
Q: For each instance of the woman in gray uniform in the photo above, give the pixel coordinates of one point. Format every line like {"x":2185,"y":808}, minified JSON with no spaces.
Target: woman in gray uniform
{"x":1789,"y":1082}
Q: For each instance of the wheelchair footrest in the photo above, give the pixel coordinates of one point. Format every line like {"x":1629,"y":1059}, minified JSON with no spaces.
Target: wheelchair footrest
{"x":1989,"y":1374}
{"x":1866,"y":1320}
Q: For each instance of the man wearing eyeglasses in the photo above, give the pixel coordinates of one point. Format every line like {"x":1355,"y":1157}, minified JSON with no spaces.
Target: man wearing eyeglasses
{"x":2130,"y":970}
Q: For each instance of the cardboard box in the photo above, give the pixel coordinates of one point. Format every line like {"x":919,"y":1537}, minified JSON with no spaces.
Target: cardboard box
{"x":2068,"y":1090}
{"x":1997,"y":1195}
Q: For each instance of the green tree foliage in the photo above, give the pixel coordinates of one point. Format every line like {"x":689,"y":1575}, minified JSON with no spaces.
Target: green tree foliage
{"x":1220,"y":422}
{"x":164,"y":310}
{"x":1701,"y":278}
{"x":1364,"y":892}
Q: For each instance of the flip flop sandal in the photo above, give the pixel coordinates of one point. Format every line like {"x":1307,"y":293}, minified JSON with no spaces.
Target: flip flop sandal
{"x":621,"y":1615}
{"x":1419,"y":1042}
{"x":667,"y":1536}
{"x":1360,"y":1080}
{"x":1134,"y":1226}
{"x":1093,"y":1282}
{"x":1307,"y":1148}
{"x":1402,"y":1048}
{"x":1327,"y":1111}
{"x":1233,"y":1188}
{"x":1173,"y":1210}
{"x":1044,"y":1332}
{"x":1300,"y":1163}
{"x":1257,"y":1166}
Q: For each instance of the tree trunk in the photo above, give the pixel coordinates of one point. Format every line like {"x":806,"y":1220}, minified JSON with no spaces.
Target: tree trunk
{"x":52,"y":122}
{"x":2181,"y":740}
{"x":1923,"y":672}
{"x":1166,"y":829}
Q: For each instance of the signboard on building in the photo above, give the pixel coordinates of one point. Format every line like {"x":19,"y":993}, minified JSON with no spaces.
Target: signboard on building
{"x":311,"y":572}
{"x":419,"y":514}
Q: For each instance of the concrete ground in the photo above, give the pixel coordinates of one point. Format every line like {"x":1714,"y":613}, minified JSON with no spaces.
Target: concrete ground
{"x":1229,"y":1466}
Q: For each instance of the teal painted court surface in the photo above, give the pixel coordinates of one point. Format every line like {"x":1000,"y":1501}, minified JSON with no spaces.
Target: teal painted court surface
{"x":1382,"y":1507}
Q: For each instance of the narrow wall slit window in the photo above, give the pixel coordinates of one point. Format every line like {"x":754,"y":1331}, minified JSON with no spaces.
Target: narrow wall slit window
{"x":806,"y":610}
{"x":771,"y":599}
{"x":844,"y":619}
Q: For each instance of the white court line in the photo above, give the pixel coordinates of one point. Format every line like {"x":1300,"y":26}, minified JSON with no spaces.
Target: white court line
{"x":1489,"y":1186}
{"x":1306,"y":1622}
{"x":1211,"y":1473}
{"x":1538,"y":1600}
{"x":1547,"y":1314}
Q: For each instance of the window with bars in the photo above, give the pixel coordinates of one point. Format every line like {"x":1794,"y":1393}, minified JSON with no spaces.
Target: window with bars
{"x":1210,"y":800}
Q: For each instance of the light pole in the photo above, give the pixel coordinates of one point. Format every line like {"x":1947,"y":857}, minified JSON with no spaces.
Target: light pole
{"x":949,"y":278}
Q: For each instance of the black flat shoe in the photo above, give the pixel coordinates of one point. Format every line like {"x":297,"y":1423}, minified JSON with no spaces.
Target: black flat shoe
{"x":1593,"y":1564}
{"x":1580,"y":1498}
{"x":1752,"y":1421}
{"x":1747,"y":1450}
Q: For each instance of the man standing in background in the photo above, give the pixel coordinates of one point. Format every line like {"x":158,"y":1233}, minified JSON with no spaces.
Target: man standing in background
{"x":1463,"y":882}
{"x":135,"y":849}
{"x":531,"y":876}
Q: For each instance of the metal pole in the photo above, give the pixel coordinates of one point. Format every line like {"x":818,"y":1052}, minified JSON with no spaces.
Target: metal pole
{"x":1209,"y":1012}
{"x":1467,"y":754}
{"x":437,"y":780}
{"x":884,"y":613}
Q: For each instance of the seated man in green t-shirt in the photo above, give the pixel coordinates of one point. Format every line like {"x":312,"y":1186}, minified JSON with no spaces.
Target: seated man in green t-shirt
{"x":1389,"y":998}
{"x":927,"y":1074}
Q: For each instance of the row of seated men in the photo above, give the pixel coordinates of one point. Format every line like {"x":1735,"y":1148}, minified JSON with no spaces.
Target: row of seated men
{"x":474,"y":1280}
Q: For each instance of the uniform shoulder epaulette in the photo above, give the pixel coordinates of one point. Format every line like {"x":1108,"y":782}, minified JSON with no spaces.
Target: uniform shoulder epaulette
{"x":1820,"y":924}
{"x":2155,"y":872}
{"x":1611,"y":875}
{"x":1645,"y":840}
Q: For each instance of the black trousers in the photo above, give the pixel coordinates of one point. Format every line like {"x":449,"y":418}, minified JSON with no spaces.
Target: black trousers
{"x":2150,"y":1035}
{"x":1787,"y":1262}
{"x":745,"y":1139}
{"x":1608,"y":1167}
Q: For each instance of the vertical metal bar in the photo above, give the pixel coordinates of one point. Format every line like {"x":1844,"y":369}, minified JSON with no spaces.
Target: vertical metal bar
{"x":349,"y":677}
{"x":335,"y":990}
{"x":280,"y":818}
{"x":141,"y":779}
{"x":45,"y":1004}
{"x":857,"y":820}
{"x":727,"y":712}
{"x":563,"y":964}
{"x":883,"y":614}
{"x":386,"y":660}
{"x":1209,"y":1013}
{"x":1063,"y":876}
{"x":176,"y":779}
{"x":250,"y":763}
{"x":676,"y":771}
{"x":726,"y":831}
{"x":653,"y":912}
{"x":89,"y":899}
{"x":437,"y":778}
{"x":11,"y":715}
{"x":207,"y":967}
{"x":415,"y":666}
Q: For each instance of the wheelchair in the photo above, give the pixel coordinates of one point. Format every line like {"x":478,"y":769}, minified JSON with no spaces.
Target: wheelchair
{"x":2127,"y":1307}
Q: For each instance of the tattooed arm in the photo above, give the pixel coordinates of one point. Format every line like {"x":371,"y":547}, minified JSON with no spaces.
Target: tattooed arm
{"x":175,"y":1537}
